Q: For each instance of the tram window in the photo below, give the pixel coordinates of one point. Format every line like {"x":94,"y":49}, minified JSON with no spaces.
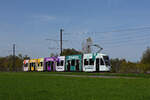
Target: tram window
{"x":49,"y":63}
{"x":33,"y":64}
{"x":97,"y":61}
{"x":58,"y":63}
{"x":52,"y":63}
{"x":91,"y":62}
{"x":68,"y":61}
{"x":62,"y":62}
{"x":77,"y":61}
{"x":72,"y":62}
{"x":41,"y":63}
{"x":26,"y":65}
{"x":46,"y":63}
{"x":106,"y":59}
{"x":85,"y":62}
{"x":102,"y":62}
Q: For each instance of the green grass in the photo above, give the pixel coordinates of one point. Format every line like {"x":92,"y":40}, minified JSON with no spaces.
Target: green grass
{"x":44,"y":86}
{"x":139,"y":75}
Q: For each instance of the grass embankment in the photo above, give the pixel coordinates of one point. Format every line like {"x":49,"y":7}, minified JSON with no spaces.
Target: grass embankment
{"x":41,"y":86}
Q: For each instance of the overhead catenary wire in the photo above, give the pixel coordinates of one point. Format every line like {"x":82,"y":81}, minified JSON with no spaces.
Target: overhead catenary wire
{"x":110,"y":32}
{"x":119,"y":37}
{"x":125,"y":39}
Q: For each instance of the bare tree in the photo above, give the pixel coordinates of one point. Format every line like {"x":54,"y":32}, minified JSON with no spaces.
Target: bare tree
{"x":86,"y":48}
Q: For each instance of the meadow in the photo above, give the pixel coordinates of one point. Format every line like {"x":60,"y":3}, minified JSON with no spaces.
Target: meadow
{"x":47,"y":86}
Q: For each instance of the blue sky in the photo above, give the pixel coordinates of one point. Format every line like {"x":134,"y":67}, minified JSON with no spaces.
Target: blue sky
{"x":27,"y":23}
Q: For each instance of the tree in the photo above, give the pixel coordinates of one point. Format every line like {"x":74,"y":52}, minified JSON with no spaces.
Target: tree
{"x":146,"y":56}
{"x":116,"y":64}
{"x":26,"y":57}
{"x":69,"y":51}
{"x":6,"y":63}
{"x":86,"y":48}
{"x":53,"y":55}
{"x":20,"y":56}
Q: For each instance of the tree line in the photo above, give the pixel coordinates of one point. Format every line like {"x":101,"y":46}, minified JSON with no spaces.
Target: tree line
{"x":124,"y":66}
{"x":12,"y":63}
{"x":118,"y":65}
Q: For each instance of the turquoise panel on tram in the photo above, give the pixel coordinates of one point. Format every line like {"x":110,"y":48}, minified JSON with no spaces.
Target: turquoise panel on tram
{"x":73,"y":63}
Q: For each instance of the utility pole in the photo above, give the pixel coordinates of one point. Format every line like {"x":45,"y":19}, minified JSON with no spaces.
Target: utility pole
{"x":14,"y":60}
{"x":60,"y":40}
{"x":61,"y":30}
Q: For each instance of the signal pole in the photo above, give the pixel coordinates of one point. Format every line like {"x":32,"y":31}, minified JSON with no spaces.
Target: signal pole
{"x":61,"y":30}
{"x":14,"y":57}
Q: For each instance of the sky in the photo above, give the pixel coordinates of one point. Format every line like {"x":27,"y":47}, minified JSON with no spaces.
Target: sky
{"x":121,"y":27}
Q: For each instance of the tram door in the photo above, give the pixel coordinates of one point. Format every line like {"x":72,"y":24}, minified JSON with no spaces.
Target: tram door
{"x":46,"y":66}
{"x":30,"y":66}
{"x":77,"y":65}
{"x":97,"y":64}
{"x":34,"y":66}
{"x":52,"y":65}
{"x":69,"y":65}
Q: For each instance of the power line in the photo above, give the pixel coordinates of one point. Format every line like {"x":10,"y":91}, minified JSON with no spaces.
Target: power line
{"x":130,"y":34}
{"x":124,"y":35}
{"x":113,"y":31}
{"x":133,"y":30}
{"x":125,"y":40}
{"x":122,"y":30}
{"x":139,"y":38}
{"x":55,"y":40}
{"x":128,"y":38}
{"x":129,"y":42}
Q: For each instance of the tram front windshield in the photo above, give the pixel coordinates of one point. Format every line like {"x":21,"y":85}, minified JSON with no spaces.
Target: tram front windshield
{"x":107,"y":61}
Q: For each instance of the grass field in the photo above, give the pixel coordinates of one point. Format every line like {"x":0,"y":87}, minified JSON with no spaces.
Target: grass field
{"x":45,"y":86}
{"x":139,"y":75}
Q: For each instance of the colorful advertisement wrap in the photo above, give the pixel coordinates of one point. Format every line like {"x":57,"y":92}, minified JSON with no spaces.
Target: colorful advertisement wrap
{"x":73,"y":63}
{"x":33,"y":65}
{"x":40,"y":64}
{"x":49,"y":64}
{"x":25,"y":65}
{"x":60,"y":63}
